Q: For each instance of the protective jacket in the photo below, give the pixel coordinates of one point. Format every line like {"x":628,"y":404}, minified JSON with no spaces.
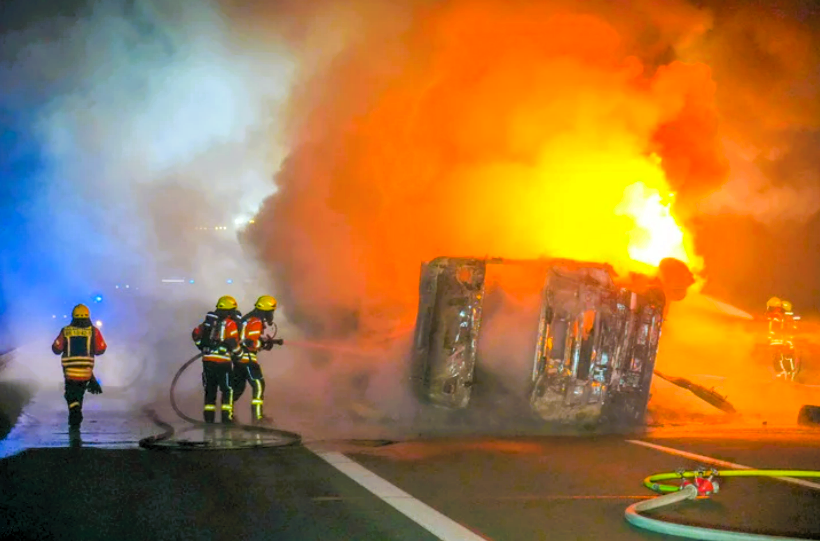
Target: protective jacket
{"x":79,"y":343}
{"x":218,"y":337}
{"x":251,"y":338}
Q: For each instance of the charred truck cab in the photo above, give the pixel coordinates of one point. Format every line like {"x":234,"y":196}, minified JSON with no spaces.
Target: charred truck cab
{"x":595,"y":350}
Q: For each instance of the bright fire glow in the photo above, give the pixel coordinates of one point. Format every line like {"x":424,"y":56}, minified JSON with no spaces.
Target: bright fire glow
{"x":656,"y":234}
{"x":511,"y":132}
{"x":577,"y":202}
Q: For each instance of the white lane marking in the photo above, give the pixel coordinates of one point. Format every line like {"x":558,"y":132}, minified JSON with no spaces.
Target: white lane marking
{"x":422,"y":514}
{"x":718,"y":462}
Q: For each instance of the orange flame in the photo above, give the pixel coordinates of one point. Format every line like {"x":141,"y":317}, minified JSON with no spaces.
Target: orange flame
{"x":484,"y":130}
{"x":656,"y":234}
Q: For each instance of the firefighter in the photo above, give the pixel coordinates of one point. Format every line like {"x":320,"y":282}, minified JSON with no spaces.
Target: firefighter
{"x":775,"y":319}
{"x":217,"y":337}
{"x":789,"y":323}
{"x":78,"y":344}
{"x":782,"y":330}
{"x":246,"y":367}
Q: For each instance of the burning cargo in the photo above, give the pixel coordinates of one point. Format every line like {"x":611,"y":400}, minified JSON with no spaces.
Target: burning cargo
{"x":596,"y":344}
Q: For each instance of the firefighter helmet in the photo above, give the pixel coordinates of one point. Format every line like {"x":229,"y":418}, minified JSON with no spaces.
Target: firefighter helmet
{"x":266,"y":303}
{"x":81,"y":312}
{"x":774,"y":302}
{"x":226,"y":303}
{"x":787,"y":306}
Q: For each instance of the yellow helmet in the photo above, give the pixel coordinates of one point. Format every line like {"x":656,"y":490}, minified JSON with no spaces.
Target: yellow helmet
{"x":787,"y":306}
{"x":81,"y":312}
{"x":266,"y":303}
{"x":774,"y":302}
{"x":226,"y":303}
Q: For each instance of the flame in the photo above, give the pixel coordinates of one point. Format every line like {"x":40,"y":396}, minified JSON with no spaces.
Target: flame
{"x":657,"y":234}
{"x":502,"y":132}
{"x":578,"y":202}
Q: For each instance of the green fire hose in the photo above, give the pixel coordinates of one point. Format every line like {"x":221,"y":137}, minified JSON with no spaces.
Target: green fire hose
{"x":694,"y":484}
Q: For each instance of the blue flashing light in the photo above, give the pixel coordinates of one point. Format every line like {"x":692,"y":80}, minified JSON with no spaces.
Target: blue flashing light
{"x":230,"y":281}
{"x":98,"y":298}
{"x":190,"y":281}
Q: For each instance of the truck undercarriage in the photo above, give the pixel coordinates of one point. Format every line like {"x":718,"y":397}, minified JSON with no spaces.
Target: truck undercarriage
{"x":596,"y":343}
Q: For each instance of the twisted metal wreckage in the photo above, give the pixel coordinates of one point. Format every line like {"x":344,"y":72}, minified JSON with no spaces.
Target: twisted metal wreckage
{"x":597,"y":338}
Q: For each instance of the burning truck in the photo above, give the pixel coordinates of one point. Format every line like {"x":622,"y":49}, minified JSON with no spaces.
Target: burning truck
{"x":597,"y":337}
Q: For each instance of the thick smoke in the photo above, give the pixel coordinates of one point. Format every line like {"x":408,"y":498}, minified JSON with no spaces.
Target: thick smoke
{"x":518,"y":129}
{"x":412,"y":130}
{"x":765,"y":58}
{"x":135,"y":130}
{"x":477,"y":128}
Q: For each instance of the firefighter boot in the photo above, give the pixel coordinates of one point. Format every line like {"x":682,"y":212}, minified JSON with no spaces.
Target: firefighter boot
{"x":75,"y":439}
{"x":210,"y":413}
{"x":227,"y":414}
{"x":257,"y":414}
{"x":75,"y":415}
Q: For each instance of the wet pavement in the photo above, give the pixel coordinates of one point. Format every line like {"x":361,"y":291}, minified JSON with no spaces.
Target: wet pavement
{"x":98,"y":483}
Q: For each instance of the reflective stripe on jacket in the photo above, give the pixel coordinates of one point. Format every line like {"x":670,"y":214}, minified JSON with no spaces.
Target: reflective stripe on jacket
{"x":251,"y":335}
{"x":78,"y":346}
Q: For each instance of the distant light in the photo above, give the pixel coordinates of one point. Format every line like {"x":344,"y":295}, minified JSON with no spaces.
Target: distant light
{"x":99,"y":323}
{"x":127,"y":286}
{"x":173,"y":281}
{"x":190,"y":281}
{"x":53,"y":317}
{"x":64,"y":317}
{"x":98,"y":298}
{"x":230,"y":281}
{"x":117,"y":286}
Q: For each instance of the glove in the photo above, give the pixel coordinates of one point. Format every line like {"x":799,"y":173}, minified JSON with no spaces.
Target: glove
{"x":268,"y":343}
{"x":94,"y":386}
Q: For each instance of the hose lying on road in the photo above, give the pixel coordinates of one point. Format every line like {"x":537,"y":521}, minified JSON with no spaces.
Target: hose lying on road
{"x":266,"y":437}
{"x":674,"y":494}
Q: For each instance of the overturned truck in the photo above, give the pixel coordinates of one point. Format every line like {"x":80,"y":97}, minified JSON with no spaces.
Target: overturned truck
{"x":597,"y":337}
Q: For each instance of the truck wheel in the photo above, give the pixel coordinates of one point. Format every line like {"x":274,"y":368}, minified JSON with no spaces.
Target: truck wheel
{"x":809,"y":416}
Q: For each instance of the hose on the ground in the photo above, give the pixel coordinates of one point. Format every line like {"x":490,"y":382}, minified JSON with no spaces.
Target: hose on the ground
{"x":276,"y":437}
{"x":673,"y":494}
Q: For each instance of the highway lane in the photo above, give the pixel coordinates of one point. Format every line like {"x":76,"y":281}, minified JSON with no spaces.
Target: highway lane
{"x":500,"y":488}
{"x":578,"y":488}
{"x":497,"y":488}
{"x":287,"y":494}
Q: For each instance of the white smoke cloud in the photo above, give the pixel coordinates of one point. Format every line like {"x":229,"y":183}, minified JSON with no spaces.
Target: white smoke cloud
{"x":155,"y":126}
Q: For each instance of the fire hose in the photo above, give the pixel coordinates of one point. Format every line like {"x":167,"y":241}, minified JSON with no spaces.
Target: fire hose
{"x":694,"y":484}
{"x":274,"y":437}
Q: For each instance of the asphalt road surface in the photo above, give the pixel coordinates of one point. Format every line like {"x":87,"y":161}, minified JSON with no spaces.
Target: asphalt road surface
{"x":99,"y":484}
{"x":102,"y":486}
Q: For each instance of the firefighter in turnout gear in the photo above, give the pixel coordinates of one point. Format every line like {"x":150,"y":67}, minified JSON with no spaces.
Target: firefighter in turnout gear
{"x":782,"y":325}
{"x":78,"y":344}
{"x":246,"y":367}
{"x":217,"y":337}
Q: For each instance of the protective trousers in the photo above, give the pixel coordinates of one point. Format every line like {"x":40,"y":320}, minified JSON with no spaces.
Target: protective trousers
{"x":74,"y":393}
{"x":251,"y":373}
{"x":217,"y":376}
